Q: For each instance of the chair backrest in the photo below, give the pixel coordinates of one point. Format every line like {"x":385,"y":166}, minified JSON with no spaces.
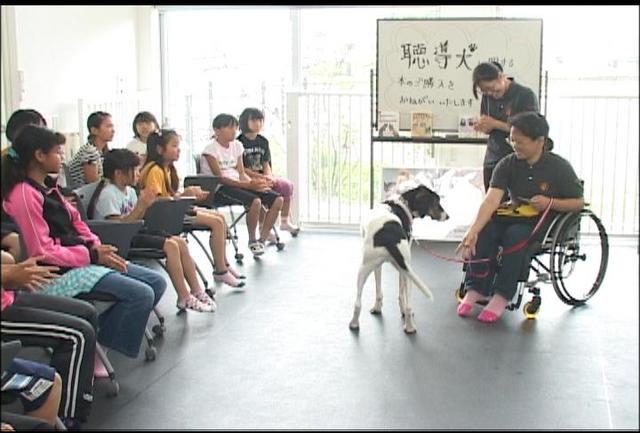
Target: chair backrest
{"x":116,"y":233}
{"x":167,"y":215}
{"x":85,"y":193}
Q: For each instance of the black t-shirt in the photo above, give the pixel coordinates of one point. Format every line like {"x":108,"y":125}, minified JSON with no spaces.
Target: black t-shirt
{"x":516,"y":100}
{"x":551,"y":176}
{"x":256,"y":152}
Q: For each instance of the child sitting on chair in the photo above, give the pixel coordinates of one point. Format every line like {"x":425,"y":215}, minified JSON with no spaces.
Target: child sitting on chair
{"x":257,"y":162}
{"x":159,"y":172}
{"x":114,"y":198}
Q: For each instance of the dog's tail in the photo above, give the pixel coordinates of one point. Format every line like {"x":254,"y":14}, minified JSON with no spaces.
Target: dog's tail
{"x":418,"y":282}
{"x":397,"y":255}
{"x":404,"y":267}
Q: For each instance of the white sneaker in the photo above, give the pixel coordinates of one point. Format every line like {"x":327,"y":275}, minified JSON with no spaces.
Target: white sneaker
{"x":257,"y":248}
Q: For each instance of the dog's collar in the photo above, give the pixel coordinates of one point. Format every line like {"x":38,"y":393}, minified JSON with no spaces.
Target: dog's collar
{"x":406,"y":219}
{"x":400,"y":201}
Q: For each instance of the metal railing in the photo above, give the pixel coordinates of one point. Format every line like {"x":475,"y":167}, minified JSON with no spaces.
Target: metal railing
{"x":598,"y":135}
{"x":329,"y":148}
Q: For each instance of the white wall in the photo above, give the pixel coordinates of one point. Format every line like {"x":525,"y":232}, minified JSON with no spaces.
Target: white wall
{"x":89,"y":52}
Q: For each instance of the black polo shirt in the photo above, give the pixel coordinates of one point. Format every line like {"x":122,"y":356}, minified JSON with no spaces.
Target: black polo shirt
{"x":516,"y":100}
{"x":551,"y":176}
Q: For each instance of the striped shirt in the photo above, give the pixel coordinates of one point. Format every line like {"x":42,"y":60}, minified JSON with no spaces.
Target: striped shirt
{"x":86,"y":153}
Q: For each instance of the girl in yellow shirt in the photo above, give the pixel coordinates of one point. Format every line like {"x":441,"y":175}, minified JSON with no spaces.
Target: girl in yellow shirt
{"x":159,"y":172}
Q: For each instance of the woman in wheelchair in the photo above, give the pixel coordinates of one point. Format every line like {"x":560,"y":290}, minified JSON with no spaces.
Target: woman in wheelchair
{"x":114,"y":198}
{"x":532,"y":177}
{"x":159,"y":173}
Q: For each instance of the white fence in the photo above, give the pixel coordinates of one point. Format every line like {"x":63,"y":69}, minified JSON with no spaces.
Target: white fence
{"x":329,"y":150}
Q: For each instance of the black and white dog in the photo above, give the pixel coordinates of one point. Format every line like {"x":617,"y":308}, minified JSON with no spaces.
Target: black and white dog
{"x":387,"y":238}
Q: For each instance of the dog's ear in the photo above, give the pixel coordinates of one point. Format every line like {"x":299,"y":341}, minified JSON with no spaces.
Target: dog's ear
{"x":418,"y":194}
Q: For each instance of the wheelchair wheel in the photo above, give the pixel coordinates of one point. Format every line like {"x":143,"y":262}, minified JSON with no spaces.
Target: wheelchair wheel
{"x":114,"y":388}
{"x":150,"y":354}
{"x":158,"y":330}
{"x":579,"y":255}
{"x":532,"y":307}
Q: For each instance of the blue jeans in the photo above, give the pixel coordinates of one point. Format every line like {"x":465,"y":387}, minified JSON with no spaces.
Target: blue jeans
{"x":505,"y":282}
{"x":122,"y":326}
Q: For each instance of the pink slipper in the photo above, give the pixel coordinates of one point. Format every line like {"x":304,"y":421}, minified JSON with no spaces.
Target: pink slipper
{"x":99,"y":369}
{"x":487,"y":316}
{"x":464,"y":310}
{"x":228,"y":279}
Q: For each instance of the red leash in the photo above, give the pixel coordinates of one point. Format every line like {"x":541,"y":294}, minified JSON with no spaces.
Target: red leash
{"x":510,"y":250}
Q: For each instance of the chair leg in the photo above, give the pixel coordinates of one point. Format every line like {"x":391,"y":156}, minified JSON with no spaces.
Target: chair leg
{"x":206,"y":253}
{"x":204,"y":280}
{"x":234,"y":237}
{"x":115,"y":386}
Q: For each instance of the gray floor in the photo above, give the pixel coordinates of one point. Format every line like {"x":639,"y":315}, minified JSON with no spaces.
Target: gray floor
{"x":280,"y":355}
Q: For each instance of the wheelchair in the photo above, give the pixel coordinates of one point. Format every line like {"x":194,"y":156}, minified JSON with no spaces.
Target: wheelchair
{"x":572,"y":256}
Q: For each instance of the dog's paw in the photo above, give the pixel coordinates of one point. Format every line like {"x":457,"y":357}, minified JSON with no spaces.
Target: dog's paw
{"x":410,"y":330}
{"x":354,"y":326}
{"x":376,"y":310}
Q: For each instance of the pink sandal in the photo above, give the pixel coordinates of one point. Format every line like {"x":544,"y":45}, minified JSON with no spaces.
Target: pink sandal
{"x":235,"y":273}
{"x":99,"y":369}
{"x":227,"y":277}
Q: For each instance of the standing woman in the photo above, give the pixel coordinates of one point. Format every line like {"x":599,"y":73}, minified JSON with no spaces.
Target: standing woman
{"x":502,"y":97}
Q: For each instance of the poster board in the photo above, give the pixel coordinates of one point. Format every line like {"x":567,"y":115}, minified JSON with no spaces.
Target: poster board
{"x":427,"y":64}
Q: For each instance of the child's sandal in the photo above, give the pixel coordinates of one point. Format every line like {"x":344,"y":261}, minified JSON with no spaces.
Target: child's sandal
{"x":204,"y":298}
{"x":192,"y":303}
